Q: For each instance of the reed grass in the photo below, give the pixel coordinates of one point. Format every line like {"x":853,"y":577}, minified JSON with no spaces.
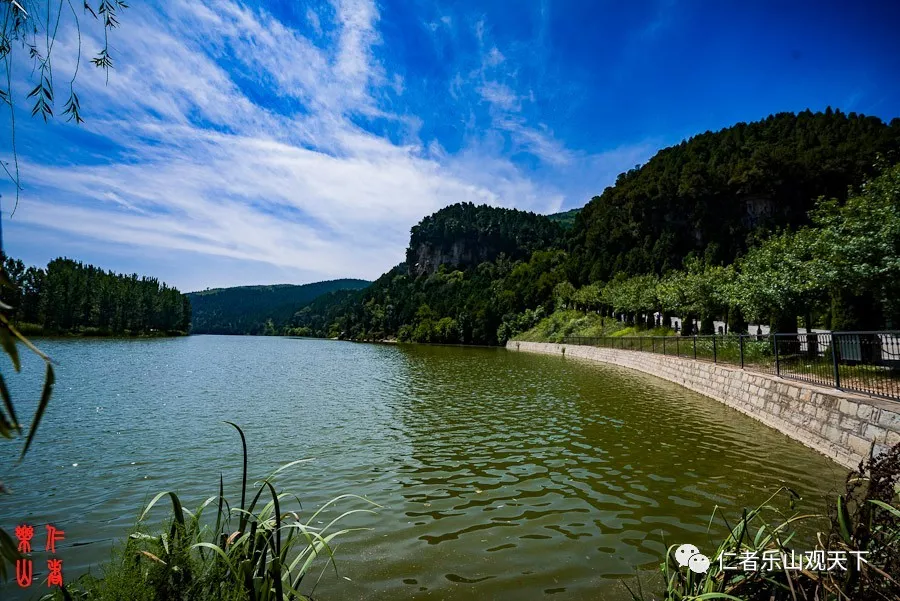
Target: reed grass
{"x":255,"y":551}
{"x":865,"y":518}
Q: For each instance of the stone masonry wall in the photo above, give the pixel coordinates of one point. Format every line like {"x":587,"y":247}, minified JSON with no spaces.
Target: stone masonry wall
{"x":842,"y":426}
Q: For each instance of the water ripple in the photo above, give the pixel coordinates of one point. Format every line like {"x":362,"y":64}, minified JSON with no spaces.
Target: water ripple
{"x":501,"y":475}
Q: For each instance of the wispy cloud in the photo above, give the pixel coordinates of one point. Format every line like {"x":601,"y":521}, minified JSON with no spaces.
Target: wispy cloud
{"x":225,"y":132}
{"x":500,"y":96}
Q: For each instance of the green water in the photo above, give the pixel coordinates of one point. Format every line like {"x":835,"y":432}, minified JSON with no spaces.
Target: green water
{"x":501,"y":475}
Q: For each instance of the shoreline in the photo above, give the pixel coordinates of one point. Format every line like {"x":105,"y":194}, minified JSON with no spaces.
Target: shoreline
{"x":93,"y":336}
{"x":843,"y":426}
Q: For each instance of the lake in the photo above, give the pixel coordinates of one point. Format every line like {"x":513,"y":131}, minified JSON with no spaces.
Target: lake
{"x":500,"y":475}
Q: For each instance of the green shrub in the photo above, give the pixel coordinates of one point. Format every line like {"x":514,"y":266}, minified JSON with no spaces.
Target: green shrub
{"x":563,"y":323}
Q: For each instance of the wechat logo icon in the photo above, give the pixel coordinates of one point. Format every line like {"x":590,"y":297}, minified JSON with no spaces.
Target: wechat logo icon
{"x":690,"y":556}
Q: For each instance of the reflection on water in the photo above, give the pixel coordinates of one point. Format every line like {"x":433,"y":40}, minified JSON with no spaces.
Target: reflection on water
{"x":500,"y":474}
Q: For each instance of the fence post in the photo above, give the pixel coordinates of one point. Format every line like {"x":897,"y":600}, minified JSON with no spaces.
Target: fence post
{"x":835,"y":361}
{"x":641,"y":343}
{"x":695,"y":347}
{"x":741,"y":344}
{"x":677,"y":352}
{"x":777,"y":364}
{"x":664,"y":346}
{"x":714,"y":349}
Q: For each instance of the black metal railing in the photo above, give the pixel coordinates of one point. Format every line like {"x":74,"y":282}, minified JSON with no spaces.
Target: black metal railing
{"x":867,"y":362}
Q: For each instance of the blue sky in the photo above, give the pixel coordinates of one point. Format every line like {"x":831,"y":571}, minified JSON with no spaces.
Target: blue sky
{"x":299,"y":141}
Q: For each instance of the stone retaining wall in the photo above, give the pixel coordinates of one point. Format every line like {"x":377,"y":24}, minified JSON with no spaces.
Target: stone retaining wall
{"x":842,"y":426}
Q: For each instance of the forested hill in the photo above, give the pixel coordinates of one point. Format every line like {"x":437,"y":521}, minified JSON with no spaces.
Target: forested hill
{"x":446,"y":291}
{"x":686,"y":219}
{"x":711,"y":193}
{"x":465,"y":235}
{"x":257,"y":309}
{"x":566,"y":218}
{"x":69,"y":297}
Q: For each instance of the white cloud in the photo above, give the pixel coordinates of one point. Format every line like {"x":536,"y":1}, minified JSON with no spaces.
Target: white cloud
{"x":500,"y":96}
{"x":355,"y":65}
{"x":494,"y":57}
{"x":537,"y":141}
{"x":313,"y":18}
{"x":203,"y":166}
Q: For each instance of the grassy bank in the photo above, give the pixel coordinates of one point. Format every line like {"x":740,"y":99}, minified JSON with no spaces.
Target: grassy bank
{"x":569,"y":322}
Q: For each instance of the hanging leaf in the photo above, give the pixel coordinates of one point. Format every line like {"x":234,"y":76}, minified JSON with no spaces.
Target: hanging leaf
{"x":49,"y":380}
{"x":7,"y":402}
{"x":9,"y":346}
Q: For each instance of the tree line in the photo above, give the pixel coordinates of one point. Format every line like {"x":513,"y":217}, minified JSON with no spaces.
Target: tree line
{"x":841,"y":272}
{"x":70,"y":297}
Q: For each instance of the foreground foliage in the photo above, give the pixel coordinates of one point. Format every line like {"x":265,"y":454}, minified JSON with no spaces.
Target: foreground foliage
{"x":864,"y":519}
{"x":10,"y":426}
{"x":28,"y":38}
{"x":28,"y":35}
{"x":255,"y":551}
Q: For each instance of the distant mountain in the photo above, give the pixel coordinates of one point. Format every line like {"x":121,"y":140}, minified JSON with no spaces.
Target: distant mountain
{"x":257,"y":309}
{"x":566,"y":218}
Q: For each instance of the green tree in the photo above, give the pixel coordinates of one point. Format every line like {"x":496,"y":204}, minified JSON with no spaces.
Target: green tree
{"x":858,"y":245}
{"x":587,"y":298}
{"x":674,"y":297}
{"x":700,"y":291}
{"x":781,"y":279}
{"x":515,"y":324}
{"x":563,"y":294}
{"x":446,"y":330}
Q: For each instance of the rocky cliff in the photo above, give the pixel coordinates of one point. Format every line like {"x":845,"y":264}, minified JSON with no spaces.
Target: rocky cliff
{"x":464,"y":235}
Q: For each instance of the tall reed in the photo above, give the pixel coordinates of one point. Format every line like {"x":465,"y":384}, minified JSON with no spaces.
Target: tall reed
{"x":864,"y":520}
{"x":255,"y":551}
